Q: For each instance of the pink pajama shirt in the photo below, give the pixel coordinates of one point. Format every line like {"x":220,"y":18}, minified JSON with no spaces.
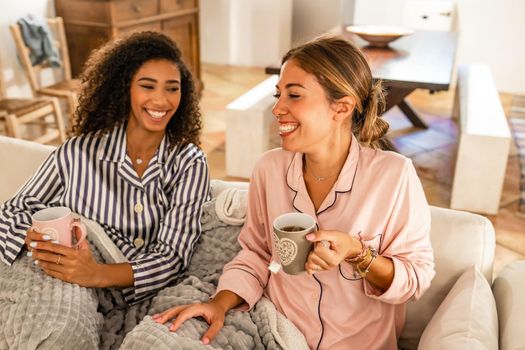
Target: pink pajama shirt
{"x":378,"y":194}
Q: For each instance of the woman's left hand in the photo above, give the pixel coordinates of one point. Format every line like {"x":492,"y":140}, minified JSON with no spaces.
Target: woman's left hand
{"x":330,"y":249}
{"x":73,"y":265}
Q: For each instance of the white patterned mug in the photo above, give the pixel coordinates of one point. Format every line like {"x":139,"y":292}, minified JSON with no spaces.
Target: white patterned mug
{"x":292,"y":247}
{"x":58,"y":223}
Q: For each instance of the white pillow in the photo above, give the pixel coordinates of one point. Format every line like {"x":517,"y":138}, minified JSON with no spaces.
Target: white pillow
{"x":466,"y":319}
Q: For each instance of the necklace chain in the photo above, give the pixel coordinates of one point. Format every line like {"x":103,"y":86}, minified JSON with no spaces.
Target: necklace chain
{"x":138,"y":159}
{"x":319,"y":178}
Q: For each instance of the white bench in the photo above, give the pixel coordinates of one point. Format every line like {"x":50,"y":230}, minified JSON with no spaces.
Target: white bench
{"x":251,"y":128}
{"x":484,"y":142}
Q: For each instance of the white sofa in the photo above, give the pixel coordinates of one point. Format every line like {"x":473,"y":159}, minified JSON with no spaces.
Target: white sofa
{"x":460,"y":240}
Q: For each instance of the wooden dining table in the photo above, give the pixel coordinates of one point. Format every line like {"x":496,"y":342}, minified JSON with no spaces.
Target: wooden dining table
{"x":422,"y":60}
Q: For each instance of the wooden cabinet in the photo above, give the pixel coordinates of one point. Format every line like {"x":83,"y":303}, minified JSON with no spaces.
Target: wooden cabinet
{"x":90,"y":23}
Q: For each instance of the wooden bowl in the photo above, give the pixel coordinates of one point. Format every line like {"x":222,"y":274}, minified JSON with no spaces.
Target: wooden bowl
{"x":378,"y":36}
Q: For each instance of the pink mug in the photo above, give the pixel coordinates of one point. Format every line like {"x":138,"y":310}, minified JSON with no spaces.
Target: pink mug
{"x":58,"y":223}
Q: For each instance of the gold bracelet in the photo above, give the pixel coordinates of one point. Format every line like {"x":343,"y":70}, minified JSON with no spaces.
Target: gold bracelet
{"x":366,"y":259}
{"x":364,"y":272}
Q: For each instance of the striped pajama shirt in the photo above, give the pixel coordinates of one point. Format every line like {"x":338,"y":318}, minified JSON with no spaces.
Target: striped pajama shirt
{"x":153,"y":220}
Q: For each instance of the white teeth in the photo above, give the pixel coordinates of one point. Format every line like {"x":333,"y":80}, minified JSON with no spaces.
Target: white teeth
{"x":156,"y":114}
{"x":284,"y":128}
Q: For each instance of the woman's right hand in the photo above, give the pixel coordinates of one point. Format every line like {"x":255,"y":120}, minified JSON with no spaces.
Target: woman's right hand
{"x":212,"y":312}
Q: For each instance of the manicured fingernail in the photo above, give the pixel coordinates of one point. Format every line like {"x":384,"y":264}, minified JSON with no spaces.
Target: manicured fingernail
{"x":29,"y":254}
{"x":33,"y":244}
{"x":36,"y":262}
{"x":155,"y":316}
{"x":205,"y":341}
{"x":46,"y":237}
{"x":310,"y":236}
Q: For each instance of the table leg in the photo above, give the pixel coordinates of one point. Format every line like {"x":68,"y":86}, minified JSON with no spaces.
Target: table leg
{"x":396,"y":97}
{"x":407,"y":109}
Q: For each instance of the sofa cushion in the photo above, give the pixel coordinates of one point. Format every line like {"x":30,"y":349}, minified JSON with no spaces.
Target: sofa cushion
{"x":22,"y":158}
{"x":509,"y":292}
{"x":466,"y":319}
{"x":459,"y":240}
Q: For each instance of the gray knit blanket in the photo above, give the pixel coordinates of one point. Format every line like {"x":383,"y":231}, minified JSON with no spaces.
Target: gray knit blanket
{"x":263,"y":327}
{"x":38,"y":311}
{"x":41,"y":312}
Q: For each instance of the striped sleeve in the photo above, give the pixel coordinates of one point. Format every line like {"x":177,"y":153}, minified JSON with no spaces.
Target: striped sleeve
{"x":15,"y":214}
{"x":180,"y":230}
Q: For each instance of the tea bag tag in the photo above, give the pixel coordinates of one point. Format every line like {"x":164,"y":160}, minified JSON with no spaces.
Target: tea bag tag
{"x":274,"y":267}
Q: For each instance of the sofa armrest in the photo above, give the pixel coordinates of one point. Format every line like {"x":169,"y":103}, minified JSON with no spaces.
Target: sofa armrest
{"x":509,"y":292}
{"x":21,"y":158}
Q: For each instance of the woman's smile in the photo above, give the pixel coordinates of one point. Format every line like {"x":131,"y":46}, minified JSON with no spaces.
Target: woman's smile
{"x":155,"y":115}
{"x":287,"y":128}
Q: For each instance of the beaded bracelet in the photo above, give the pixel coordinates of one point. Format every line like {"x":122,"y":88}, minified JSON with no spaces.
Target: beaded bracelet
{"x":359,"y":257}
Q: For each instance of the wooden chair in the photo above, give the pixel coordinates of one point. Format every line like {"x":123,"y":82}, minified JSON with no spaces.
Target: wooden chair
{"x":65,"y":89}
{"x":15,"y":112}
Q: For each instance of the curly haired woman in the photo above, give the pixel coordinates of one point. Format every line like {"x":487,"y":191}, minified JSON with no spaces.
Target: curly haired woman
{"x":133,"y":166}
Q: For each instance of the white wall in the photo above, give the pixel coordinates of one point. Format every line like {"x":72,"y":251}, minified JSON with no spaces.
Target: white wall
{"x":347,"y":11}
{"x":259,"y":32}
{"x":493,"y":32}
{"x":241,"y":32}
{"x":214,"y":31}
{"x":16,"y":81}
{"x":490,"y":31}
{"x":311,"y":18}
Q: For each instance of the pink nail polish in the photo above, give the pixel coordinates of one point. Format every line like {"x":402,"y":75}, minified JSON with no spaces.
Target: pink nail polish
{"x":205,"y":341}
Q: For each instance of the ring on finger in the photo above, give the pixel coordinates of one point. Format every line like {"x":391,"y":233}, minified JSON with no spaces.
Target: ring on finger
{"x":58,"y":260}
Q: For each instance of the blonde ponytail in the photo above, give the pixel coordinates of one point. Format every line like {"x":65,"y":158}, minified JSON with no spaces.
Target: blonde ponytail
{"x":368,"y":125}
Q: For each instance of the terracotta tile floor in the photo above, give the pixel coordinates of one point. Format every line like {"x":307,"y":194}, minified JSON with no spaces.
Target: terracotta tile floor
{"x":432,"y":151}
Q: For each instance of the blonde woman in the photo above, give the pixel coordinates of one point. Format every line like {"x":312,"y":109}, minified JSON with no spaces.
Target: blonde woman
{"x":369,"y":204}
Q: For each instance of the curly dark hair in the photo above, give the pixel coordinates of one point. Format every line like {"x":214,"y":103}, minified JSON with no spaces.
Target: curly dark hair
{"x":104,"y":100}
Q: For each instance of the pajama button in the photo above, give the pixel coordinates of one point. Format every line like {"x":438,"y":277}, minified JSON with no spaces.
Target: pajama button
{"x":138,"y":242}
{"x":138,"y":208}
{"x":315,"y":296}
